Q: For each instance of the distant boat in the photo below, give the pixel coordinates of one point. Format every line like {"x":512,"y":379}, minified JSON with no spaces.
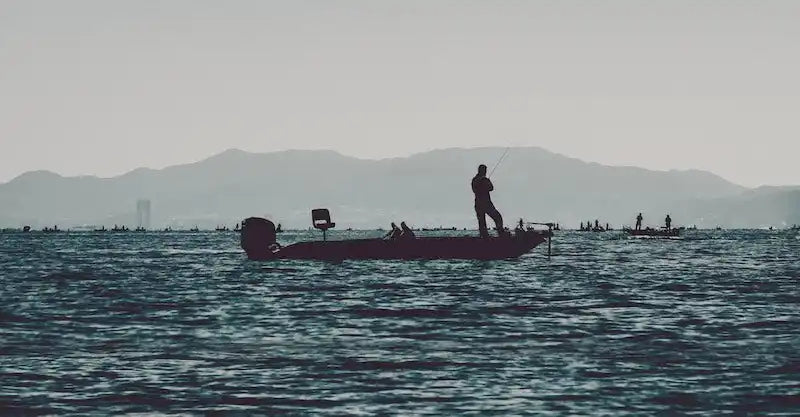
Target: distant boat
{"x":221,"y":229}
{"x":590,"y":228}
{"x":101,"y":229}
{"x":650,"y":232}
{"x":194,"y":229}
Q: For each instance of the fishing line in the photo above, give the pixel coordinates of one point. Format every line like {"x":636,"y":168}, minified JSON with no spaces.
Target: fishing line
{"x":499,"y":161}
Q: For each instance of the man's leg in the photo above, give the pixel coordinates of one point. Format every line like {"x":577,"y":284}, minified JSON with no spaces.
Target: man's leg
{"x":481,"y":213}
{"x":498,"y":219}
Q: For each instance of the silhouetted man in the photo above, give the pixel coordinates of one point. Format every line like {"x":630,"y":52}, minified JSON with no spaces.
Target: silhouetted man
{"x":482,"y":186}
{"x":668,"y":221}
{"x":639,"y":222}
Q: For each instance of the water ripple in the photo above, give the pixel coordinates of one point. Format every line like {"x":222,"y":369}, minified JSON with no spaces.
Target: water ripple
{"x":183,"y":323}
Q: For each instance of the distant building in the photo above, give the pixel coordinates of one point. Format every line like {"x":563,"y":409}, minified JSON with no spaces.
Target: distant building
{"x":143,"y":214}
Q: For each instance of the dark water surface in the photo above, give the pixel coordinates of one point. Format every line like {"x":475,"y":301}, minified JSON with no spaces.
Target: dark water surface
{"x":183,"y":323}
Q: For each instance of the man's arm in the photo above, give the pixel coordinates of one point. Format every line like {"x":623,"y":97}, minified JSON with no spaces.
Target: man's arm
{"x":489,"y":184}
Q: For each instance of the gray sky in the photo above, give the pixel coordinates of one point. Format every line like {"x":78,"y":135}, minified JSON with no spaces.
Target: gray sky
{"x":102,"y":87}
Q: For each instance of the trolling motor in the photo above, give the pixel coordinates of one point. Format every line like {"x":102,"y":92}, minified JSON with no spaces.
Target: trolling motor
{"x":259,"y":238}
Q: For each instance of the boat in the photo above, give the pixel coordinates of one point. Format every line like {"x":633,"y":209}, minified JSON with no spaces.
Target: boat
{"x":650,"y":232}
{"x":258,"y":239}
{"x":438,"y":229}
{"x":597,"y":228}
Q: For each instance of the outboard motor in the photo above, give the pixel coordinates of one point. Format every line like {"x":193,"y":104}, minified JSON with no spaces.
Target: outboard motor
{"x":259,"y":238}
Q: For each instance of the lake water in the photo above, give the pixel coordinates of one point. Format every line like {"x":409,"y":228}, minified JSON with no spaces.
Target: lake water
{"x":183,"y":323}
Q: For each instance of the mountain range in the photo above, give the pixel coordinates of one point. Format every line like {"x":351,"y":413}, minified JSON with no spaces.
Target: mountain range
{"x":425,"y":189}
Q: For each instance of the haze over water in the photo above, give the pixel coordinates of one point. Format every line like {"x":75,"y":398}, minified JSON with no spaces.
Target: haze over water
{"x":182,"y":322}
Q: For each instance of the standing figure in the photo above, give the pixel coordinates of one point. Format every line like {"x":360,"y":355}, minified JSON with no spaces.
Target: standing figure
{"x":482,"y":186}
{"x":639,"y":222}
{"x":668,"y":221}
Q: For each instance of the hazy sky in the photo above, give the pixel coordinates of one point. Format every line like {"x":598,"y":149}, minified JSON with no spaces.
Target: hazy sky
{"x":102,"y":87}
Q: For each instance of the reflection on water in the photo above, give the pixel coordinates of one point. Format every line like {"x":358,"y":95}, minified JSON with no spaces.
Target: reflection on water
{"x":116,"y":323}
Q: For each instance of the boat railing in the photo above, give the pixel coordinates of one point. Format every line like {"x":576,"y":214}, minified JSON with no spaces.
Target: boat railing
{"x":550,"y":226}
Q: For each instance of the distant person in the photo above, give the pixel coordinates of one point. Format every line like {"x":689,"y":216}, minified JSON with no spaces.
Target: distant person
{"x":394,"y":232}
{"x":668,"y":221}
{"x":520,"y":226}
{"x":406,"y":232}
{"x":482,"y":186}
{"x":597,"y":224}
{"x":582,"y":226}
{"x":639,"y":219}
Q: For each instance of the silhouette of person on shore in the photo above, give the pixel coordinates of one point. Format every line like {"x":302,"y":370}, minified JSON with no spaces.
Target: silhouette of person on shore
{"x":406,"y":232}
{"x":581,"y":226}
{"x":597,"y":224}
{"x":482,"y":186}
{"x":668,"y":221}
{"x":639,"y":221}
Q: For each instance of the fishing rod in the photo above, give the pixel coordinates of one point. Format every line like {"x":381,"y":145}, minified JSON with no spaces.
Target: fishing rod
{"x":499,"y":161}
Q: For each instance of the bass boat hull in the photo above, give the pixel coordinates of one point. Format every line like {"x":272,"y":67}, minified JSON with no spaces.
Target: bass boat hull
{"x":259,"y":244}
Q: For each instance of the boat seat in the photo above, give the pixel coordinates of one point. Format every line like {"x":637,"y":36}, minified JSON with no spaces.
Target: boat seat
{"x":321,"y":219}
